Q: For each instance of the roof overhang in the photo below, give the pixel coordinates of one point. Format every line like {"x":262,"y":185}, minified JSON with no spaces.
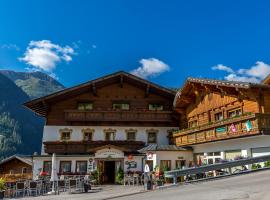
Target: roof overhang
{"x":41,"y":105}
{"x":193,"y":87}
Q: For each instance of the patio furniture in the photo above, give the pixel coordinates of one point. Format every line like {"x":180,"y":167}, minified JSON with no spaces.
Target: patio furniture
{"x":32,"y":188}
{"x":61,"y":185}
{"x":72,"y":184}
{"x":20,"y":189}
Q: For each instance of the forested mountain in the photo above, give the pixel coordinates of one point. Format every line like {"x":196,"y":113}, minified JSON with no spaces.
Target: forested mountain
{"x":34,"y":84}
{"x":20,"y":129}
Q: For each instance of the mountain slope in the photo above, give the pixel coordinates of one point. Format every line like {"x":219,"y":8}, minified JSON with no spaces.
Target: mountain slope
{"x":34,"y":84}
{"x":20,"y":129}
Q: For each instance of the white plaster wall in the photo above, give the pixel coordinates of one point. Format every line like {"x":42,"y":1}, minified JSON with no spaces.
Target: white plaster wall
{"x":51,"y":133}
{"x":38,"y":162}
{"x":243,"y":144}
{"x":173,"y":156}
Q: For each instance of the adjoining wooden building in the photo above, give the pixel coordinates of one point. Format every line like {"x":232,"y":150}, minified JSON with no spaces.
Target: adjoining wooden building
{"x":102,"y":124}
{"x":16,"y":167}
{"x":223,"y":119}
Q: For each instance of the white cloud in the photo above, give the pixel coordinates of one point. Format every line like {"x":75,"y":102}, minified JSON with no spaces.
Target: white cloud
{"x":223,"y":68}
{"x":44,"y":55}
{"x":10,"y":46}
{"x":234,"y":77}
{"x":150,"y":67}
{"x":253,"y":74}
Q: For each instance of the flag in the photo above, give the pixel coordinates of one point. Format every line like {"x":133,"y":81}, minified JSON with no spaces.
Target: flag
{"x":248,"y":125}
{"x":233,"y":128}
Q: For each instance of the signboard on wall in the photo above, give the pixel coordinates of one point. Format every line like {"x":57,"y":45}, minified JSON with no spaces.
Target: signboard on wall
{"x":131,"y":164}
{"x":149,"y":156}
{"x":109,"y":153}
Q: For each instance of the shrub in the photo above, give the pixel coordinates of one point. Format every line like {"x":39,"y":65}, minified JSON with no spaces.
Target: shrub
{"x":259,"y":166}
{"x":254,"y":166}
{"x":2,"y":184}
{"x":267,"y":164}
{"x":119,"y":176}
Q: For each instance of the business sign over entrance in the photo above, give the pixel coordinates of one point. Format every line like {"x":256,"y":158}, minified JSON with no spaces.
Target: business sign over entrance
{"x":109,"y":153}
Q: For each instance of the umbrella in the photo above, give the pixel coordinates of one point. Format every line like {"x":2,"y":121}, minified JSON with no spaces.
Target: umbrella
{"x":54,"y":176}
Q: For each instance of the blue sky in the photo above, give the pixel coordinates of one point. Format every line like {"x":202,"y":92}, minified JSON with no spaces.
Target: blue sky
{"x":163,"y":41}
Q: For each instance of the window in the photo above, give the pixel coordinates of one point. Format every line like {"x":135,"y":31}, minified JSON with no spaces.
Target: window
{"x":24,"y":170}
{"x":120,"y":106}
{"x":88,"y":136}
{"x":233,"y":113}
{"x":65,"y":136}
{"x":109,"y":136}
{"x":47,"y":166}
{"x":210,"y":161}
{"x":218,"y":116}
{"x":85,"y":106}
{"x":152,"y":137}
{"x":165,"y":165}
{"x":131,"y":136}
{"x":81,"y":167}
{"x":193,"y":123}
{"x":179,"y":164}
{"x":155,"y":106}
{"x":65,"y":167}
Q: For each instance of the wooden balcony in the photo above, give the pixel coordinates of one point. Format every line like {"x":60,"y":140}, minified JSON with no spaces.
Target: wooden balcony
{"x":120,"y":116}
{"x":86,"y":147}
{"x":225,"y":129}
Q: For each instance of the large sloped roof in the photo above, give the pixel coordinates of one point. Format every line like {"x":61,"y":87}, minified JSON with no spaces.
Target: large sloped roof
{"x":39,"y":105}
{"x":217,"y":85}
{"x":23,"y":158}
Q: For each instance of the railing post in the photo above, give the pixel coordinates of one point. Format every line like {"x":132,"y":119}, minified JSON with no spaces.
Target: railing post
{"x":230,"y":170}
{"x":174,"y":179}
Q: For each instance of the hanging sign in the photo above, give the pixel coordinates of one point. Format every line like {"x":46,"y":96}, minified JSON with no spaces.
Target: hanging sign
{"x":149,"y":156}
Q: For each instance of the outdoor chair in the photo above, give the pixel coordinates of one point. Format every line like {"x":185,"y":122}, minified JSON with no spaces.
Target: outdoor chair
{"x":32,"y":188}
{"x":20,"y":189}
{"x":61,"y":185}
{"x":72,"y":184}
{"x":136,"y":178}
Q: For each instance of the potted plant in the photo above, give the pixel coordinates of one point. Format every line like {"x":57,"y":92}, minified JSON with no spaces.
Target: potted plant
{"x":119,"y":176}
{"x":2,"y":188}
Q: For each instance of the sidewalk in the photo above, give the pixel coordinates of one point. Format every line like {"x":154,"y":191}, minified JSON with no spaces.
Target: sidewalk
{"x":106,"y":192}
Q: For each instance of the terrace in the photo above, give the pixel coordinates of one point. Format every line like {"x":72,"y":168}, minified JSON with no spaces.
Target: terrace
{"x":235,"y":127}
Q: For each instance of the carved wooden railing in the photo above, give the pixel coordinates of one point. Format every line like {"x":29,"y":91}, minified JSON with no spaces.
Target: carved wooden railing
{"x":229,"y":128}
{"x":86,"y":147}
{"x":98,"y":116}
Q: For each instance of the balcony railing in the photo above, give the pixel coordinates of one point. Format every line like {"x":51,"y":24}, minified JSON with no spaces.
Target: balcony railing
{"x":245,"y":125}
{"x":88,"y":147}
{"x":126,"y":116}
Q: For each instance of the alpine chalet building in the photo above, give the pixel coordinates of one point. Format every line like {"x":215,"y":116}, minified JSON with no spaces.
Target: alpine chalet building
{"x":116,"y":121}
{"x":223,"y":119}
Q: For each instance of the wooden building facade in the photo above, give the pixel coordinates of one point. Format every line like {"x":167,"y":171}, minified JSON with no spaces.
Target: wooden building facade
{"x":223,"y":119}
{"x":103,"y":123}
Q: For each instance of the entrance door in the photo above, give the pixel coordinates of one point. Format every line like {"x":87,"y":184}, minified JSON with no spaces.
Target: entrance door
{"x":109,"y":171}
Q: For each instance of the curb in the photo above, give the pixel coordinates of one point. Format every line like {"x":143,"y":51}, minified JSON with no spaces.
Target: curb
{"x":125,"y":195}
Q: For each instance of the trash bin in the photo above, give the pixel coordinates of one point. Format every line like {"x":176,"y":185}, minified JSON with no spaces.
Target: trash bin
{"x":86,"y":187}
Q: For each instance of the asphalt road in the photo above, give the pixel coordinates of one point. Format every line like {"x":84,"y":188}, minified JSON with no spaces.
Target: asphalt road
{"x":255,"y":186}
